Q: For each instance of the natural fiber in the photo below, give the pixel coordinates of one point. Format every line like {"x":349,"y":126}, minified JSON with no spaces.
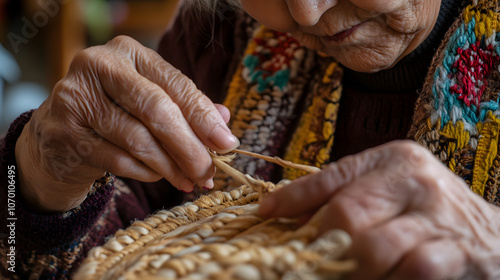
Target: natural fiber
{"x":220,"y":236}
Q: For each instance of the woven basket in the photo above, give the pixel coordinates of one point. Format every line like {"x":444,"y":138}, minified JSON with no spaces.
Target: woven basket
{"x":219,"y":236}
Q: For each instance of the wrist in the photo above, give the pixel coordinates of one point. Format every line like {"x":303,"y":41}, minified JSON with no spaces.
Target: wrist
{"x":40,"y":190}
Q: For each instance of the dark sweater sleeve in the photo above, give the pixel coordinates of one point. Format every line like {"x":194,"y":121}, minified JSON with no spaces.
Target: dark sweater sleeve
{"x":43,"y":246}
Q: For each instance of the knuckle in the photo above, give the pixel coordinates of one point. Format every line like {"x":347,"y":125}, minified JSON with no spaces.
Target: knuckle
{"x":411,"y":148}
{"x":430,"y":190}
{"x":63,"y":89}
{"x":137,"y":144}
{"x":425,"y":264}
{"x":69,"y":103}
{"x":203,"y":113}
{"x":406,"y":156}
{"x":344,"y":170}
{"x":181,"y":86}
{"x":119,"y":164}
{"x":173,"y":75}
{"x":122,"y":41}
{"x":157,"y":110}
{"x":326,"y":178}
{"x":348,"y":214}
{"x":84,"y":57}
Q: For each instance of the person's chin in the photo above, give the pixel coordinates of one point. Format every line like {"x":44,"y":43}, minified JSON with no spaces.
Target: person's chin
{"x":363,"y":62}
{"x":353,"y":55}
{"x":368,"y":68}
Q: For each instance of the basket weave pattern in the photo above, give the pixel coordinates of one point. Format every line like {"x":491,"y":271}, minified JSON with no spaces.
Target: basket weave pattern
{"x":218,"y":236}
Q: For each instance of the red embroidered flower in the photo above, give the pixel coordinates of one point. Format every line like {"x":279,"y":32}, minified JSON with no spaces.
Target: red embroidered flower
{"x":472,"y":69}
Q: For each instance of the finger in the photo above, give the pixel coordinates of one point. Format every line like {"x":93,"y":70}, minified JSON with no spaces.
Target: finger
{"x":103,"y":155}
{"x":367,"y":202}
{"x":437,"y":259}
{"x":223,"y":111}
{"x":126,"y":132}
{"x":196,"y":107}
{"x":319,"y":187}
{"x":397,"y":237}
{"x":151,"y":106}
{"x":310,"y":192}
{"x":117,"y":161}
{"x":165,"y":121}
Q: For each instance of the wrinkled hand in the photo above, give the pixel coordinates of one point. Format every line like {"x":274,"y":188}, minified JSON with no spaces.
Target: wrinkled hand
{"x":409,"y":216}
{"x":124,"y":110}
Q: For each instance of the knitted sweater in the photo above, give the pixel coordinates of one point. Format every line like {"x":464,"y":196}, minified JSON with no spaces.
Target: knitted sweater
{"x":455,"y":117}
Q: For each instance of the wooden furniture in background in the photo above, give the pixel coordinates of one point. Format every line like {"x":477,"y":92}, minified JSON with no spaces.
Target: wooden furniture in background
{"x":67,"y":32}
{"x":67,"y":36}
{"x":148,"y":17}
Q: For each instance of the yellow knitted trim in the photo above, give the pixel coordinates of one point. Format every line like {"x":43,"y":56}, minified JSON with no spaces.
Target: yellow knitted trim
{"x":236,"y":88}
{"x":316,"y":128}
{"x":329,"y":72}
{"x":457,"y":133}
{"x":486,"y":152}
{"x":487,"y":21}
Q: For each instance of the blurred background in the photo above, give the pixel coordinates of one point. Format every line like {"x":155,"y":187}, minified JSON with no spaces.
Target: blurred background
{"x":39,"y":38}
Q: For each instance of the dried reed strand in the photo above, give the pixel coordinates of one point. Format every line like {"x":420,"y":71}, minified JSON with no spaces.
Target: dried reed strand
{"x":280,"y":162}
{"x":220,"y":161}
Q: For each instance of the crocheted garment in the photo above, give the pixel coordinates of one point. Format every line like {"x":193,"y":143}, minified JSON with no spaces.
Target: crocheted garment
{"x":456,"y":118}
{"x":457,"y":114}
{"x":277,"y":81}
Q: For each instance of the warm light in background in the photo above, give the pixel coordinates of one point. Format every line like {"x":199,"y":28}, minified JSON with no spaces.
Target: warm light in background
{"x":42,"y":36}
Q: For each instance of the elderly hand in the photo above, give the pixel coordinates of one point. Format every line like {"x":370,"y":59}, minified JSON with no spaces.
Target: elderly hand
{"x":121,"y":109}
{"x":409,"y":216}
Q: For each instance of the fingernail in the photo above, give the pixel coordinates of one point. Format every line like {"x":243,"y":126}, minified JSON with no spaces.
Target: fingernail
{"x":224,"y":140}
{"x":186,"y":185}
{"x":208,"y":185}
{"x":267,"y":207}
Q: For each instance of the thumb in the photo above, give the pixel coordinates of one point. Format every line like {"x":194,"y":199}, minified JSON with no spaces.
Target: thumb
{"x":310,"y":192}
